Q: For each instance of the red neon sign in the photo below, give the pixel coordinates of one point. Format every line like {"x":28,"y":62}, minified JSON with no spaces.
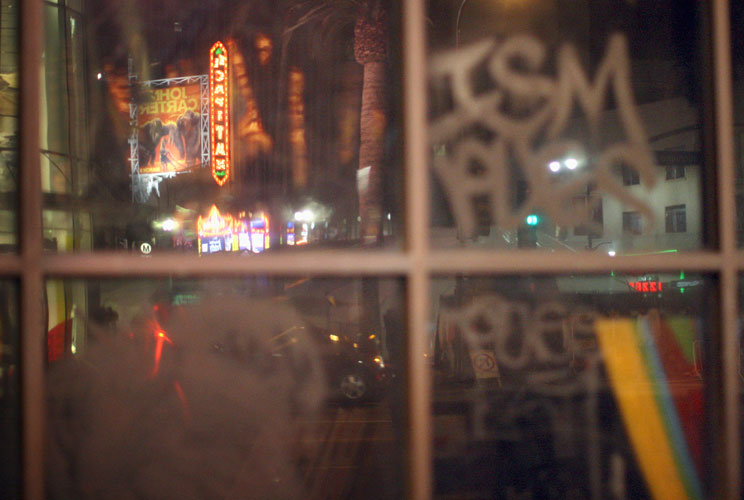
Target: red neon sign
{"x":645,"y":286}
{"x":219,"y":113}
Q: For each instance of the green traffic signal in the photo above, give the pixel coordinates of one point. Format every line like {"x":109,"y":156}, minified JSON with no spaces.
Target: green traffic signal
{"x":532,"y":220}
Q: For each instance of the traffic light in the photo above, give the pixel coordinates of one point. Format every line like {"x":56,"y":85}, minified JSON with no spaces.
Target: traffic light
{"x":527,"y":233}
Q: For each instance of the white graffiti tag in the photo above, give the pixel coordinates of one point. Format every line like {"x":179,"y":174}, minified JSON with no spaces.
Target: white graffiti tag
{"x":541,"y":342}
{"x":526,"y":117}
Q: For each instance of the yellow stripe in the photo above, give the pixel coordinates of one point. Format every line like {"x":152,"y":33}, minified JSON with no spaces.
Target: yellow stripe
{"x":635,"y":395}
{"x":55,"y":302}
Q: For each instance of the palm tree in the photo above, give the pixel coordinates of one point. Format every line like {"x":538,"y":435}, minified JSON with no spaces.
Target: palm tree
{"x":371,"y":51}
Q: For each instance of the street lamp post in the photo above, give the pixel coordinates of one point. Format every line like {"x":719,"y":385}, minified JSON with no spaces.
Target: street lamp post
{"x":457,"y":24}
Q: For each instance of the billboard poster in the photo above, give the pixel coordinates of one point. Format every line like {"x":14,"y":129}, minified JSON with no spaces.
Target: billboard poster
{"x":169,"y":134}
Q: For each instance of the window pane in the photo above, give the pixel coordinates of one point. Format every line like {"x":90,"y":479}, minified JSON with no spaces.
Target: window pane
{"x":54,"y":103}
{"x":8,"y":123}
{"x":535,"y":105}
{"x":10,"y":408}
{"x":569,"y":387}
{"x":284,"y":388}
{"x":292,"y":140}
{"x":737,"y":63}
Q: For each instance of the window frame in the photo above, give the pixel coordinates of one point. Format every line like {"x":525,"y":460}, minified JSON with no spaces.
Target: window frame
{"x":674,"y":172}
{"x":675,"y":218}
{"x":630,"y":219}
{"x":630,"y":176}
{"x":416,"y":262}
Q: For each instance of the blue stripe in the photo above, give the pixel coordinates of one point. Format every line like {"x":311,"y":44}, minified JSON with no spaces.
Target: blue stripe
{"x":663,"y":397}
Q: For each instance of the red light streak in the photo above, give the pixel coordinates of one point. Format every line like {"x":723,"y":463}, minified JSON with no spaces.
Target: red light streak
{"x":160,"y":339}
{"x":184,"y":401}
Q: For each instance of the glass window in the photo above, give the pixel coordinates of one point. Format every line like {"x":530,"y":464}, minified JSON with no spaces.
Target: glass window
{"x":568,"y":386}
{"x":54,"y":107}
{"x":8,"y":123}
{"x":632,"y":223}
{"x":10,"y":407}
{"x":284,"y":388}
{"x":533,"y":104}
{"x":676,"y":219}
{"x":186,"y":133}
{"x":293,"y":141}
{"x":675,"y":172}
{"x":630,"y":176}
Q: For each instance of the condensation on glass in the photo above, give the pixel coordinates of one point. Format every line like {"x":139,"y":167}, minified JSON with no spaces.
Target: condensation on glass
{"x":566,"y":126}
{"x":585,"y":387}
{"x":287,"y":136}
{"x":10,"y":407}
{"x":219,"y":388}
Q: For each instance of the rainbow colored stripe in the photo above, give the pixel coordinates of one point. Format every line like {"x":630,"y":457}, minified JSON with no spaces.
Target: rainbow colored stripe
{"x":650,"y":366}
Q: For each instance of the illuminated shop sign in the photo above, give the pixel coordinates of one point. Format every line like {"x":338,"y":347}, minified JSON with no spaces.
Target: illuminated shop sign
{"x":219,"y":113}
{"x":259,"y":234}
{"x":688,"y":283}
{"x":645,"y":286}
{"x":219,"y":232}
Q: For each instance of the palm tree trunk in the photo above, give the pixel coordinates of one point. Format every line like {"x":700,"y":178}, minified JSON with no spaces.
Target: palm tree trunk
{"x":370,"y":49}
{"x":373,"y":122}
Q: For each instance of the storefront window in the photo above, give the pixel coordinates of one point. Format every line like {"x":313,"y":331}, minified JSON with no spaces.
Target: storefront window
{"x":569,"y":387}
{"x":285,"y":388}
{"x":305,"y":143}
{"x":224,"y":297}
{"x":535,"y":105}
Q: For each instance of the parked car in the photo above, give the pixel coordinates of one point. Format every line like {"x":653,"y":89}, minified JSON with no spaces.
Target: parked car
{"x":355,"y":368}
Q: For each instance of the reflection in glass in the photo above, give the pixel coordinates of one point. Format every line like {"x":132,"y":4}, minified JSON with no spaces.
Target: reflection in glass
{"x":285,"y":388}
{"x":290,"y":127}
{"x":63,"y":132}
{"x":550,"y":120}
{"x":10,"y":407}
{"x":569,"y":387}
{"x":8,"y":123}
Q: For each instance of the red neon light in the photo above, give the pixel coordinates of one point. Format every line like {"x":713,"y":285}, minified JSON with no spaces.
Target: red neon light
{"x":646,"y":286}
{"x":161,"y":337}
{"x":219,"y":113}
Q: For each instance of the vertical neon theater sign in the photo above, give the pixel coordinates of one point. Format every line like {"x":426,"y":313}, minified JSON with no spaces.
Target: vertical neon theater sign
{"x":219,"y":115}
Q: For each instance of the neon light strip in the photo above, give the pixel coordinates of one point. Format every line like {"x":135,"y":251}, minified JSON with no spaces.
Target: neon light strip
{"x":644,"y":422}
{"x":219,"y":113}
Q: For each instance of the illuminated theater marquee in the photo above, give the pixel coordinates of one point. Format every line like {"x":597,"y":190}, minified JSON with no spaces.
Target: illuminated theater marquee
{"x":219,"y":115}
